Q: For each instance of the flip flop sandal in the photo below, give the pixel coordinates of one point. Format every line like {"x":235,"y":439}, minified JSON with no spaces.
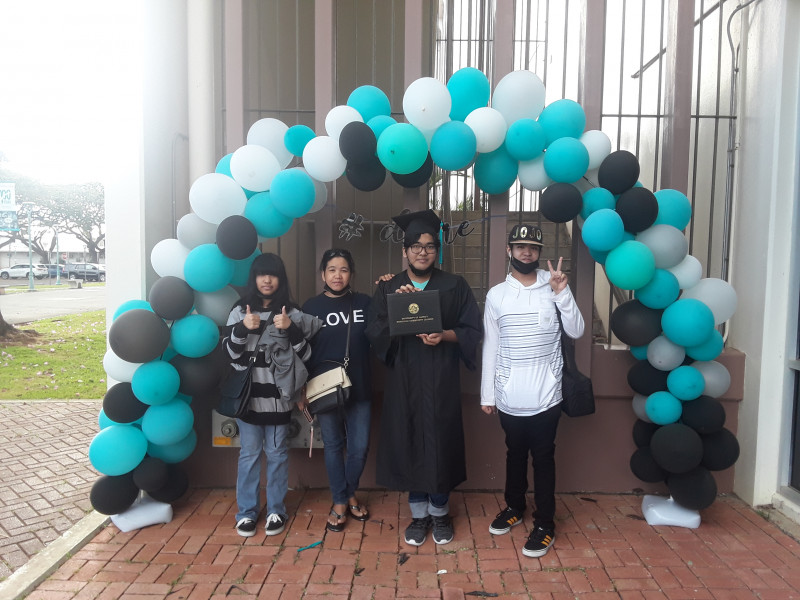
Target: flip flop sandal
{"x":336,"y":527}
{"x":364,"y":516}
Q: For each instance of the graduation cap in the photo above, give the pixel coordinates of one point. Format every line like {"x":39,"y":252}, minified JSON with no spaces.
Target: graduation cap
{"x":423,"y":221}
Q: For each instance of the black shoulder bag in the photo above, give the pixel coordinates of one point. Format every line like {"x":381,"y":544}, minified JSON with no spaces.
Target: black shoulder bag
{"x":235,"y":390}
{"x":576,"y":388}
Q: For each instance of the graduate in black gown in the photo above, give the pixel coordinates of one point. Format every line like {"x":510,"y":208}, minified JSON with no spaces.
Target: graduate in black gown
{"x":421,"y":443}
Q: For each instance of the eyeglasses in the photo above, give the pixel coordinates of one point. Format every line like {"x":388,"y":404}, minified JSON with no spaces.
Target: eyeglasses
{"x":418,"y":248}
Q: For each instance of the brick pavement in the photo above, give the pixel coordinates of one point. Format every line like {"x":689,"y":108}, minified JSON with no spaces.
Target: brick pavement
{"x":45,"y":475}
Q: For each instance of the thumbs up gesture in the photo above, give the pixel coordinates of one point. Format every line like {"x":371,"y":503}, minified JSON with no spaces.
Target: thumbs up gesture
{"x":282,"y":320}
{"x":251,"y":320}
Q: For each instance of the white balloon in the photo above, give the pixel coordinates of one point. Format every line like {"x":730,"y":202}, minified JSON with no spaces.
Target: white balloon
{"x":716,"y":376}
{"x":320,"y":194}
{"x":215,"y":196}
{"x":193,"y":231}
{"x":519,"y":95}
{"x":667,"y":243}
{"x":598,"y":145}
{"x":253,"y":167}
{"x":639,"y":402}
{"x":717,"y":294}
{"x":489,"y":128}
{"x":338,"y":117}
{"x":119,"y":369}
{"x":688,"y":272}
{"x":427,"y":103}
{"x":323,"y":160}
{"x":665,"y":355}
{"x":167,"y":258}
{"x":216,"y":305}
{"x":532,"y":175}
{"x":269,"y":133}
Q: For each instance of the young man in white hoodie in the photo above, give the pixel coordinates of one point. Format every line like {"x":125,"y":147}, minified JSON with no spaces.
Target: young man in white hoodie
{"x":521,"y":379}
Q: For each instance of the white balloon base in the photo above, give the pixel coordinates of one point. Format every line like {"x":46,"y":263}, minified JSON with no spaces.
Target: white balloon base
{"x":143,"y":512}
{"x":665,"y":511}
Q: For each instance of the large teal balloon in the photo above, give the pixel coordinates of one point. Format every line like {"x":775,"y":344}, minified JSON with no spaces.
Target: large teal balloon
{"x":630,"y":265}
{"x":596,"y":198}
{"x":686,"y":383}
{"x":241,"y":269}
{"x":268,"y":220}
{"x":525,"y":139}
{"x":662,"y":290}
{"x":207,"y":269}
{"x":168,"y":423}
{"x":687,"y":322}
{"x":674,"y":209}
{"x":173,"y":453}
{"x":453,"y":146}
{"x":296,"y":138}
{"x":194,"y":336}
{"x":380,"y":123}
{"x":402,"y":148}
{"x":496,"y":171}
{"x":708,"y":350}
{"x":562,"y":118}
{"x":566,"y":160}
{"x":603,"y":230}
{"x":224,"y":165}
{"x":292,"y":193}
{"x":469,"y":89}
{"x":370,"y":102}
{"x":117,"y":449}
{"x":155,"y":382}
{"x":663,"y":408}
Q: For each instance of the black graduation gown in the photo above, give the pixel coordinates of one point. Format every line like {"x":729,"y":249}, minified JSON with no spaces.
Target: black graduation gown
{"x":421,"y":444}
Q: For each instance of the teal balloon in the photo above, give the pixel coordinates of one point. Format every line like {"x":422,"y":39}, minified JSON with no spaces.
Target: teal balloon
{"x":183,"y":398}
{"x":469,"y":89}
{"x":562,"y":118}
{"x":630,"y":265}
{"x":603,"y":230}
{"x":296,"y":138}
{"x":194,"y":336}
{"x":207,"y":269}
{"x":402,"y":148}
{"x":662,"y":290}
{"x":686,"y":383}
{"x":224,"y":165}
{"x":117,"y":449}
{"x":370,"y":102}
{"x":173,"y":453}
{"x":596,"y":198}
{"x":566,"y":160}
{"x":674,"y":209}
{"x":453,"y":146}
{"x":380,"y":123}
{"x":525,"y":139}
{"x":104,"y":421}
{"x":599,"y":257}
{"x":708,"y":350}
{"x":496,"y":171}
{"x":663,"y":408}
{"x":639,"y":352}
{"x":155,"y":382}
{"x":292,"y":192}
{"x":687,"y":322}
{"x":268,"y":220}
{"x":241,"y":269}
{"x":169,"y":423}
{"x":130,"y":305}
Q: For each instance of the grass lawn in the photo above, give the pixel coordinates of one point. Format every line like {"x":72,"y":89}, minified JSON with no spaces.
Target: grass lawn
{"x":63,"y":360}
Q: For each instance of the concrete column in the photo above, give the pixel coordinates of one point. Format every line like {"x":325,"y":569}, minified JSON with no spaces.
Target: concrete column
{"x":202,"y":112}
{"x":234,"y":76}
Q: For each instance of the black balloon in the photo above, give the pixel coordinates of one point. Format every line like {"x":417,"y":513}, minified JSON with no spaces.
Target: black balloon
{"x":643,"y":432}
{"x":366,"y":176}
{"x":560,"y":202}
{"x":171,"y":298}
{"x":175,"y":487}
{"x":618,"y":172}
{"x":644,"y":467}
{"x":138,"y":336}
{"x":151,"y":474}
{"x":418,"y":177}
{"x":121,"y":405}
{"x":198,"y":375}
{"x":705,"y":415}
{"x":677,"y":448}
{"x":357,"y":142}
{"x":237,"y":237}
{"x":720,"y":450}
{"x":638,"y":209}
{"x":113,"y":494}
{"x":635,"y":324}
{"x":645,"y":379}
{"x":694,"y":490}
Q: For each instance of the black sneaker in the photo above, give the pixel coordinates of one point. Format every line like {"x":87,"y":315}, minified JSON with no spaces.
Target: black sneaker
{"x":442,"y":529}
{"x":418,"y":531}
{"x":505,"y":520}
{"x":539,"y":542}
{"x":246,"y":527}
{"x":275,"y":524}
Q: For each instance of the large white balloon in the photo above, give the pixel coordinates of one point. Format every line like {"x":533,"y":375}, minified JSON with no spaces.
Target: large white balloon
{"x":216,"y":305}
{"x":253,"y":167}
{"x":716,"y":376}
{"x":338,"y":117}
{"x":665,"y":355}
{"x":688,"y":272}
{"x":119,"y":369}
{"x":323,"y":160}
{"x":215,"y":197}
{"x":519,"y":95}
{"x":489,"y":128}
{"x":598,"y":145}
{"x":667,"y":243}
{"x":717,"y":294}
{"x":168,"y":257}
{"x":427,"y":103}
{"x":270,"y":133}
{"x":532,"y":175}
{"x":193,"y":231}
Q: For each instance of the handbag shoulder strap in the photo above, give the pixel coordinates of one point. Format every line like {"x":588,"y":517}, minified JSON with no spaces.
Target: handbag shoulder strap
{"x":347,"y":343}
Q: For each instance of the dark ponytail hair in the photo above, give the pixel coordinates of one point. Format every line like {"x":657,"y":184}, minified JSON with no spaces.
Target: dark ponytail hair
{"x":268,"y":264}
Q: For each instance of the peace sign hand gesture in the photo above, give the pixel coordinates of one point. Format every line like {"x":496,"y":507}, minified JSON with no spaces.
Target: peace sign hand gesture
{"x":558,"y":281}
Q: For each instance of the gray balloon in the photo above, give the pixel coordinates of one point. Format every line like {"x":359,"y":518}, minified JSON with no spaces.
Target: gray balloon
{"x":237,"y":237}
{"x":171,"y":298}
{"x":138,"y":336}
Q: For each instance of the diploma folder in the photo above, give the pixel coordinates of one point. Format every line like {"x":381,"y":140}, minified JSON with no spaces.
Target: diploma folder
{"x":414,"y":312}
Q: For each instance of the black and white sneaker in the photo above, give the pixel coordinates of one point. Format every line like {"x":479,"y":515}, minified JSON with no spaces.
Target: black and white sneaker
{"x":417,"y":532}
{"x":275,"y":524}
{"x":442,"y":529}
{"x":246,"y":527}
{"x":539,"y":542}
{"x":505,"y":520}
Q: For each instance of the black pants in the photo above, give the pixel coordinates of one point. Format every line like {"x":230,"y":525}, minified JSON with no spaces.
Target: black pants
{"x":537,"y":435}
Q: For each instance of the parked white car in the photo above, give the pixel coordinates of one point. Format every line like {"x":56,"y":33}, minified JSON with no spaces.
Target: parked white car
{"x":21,"y":271}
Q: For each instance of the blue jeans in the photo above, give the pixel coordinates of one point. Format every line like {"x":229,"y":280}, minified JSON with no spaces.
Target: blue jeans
{"x":346,"y":442}
{"x":273,"y":440}
{"x":423,"y":504}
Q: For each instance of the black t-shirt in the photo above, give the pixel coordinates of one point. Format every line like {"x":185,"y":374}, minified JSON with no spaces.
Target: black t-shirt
{"x":330,"y":342}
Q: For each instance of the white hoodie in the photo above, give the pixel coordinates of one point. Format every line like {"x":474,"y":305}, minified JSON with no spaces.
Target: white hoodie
{"x":522,"y":360}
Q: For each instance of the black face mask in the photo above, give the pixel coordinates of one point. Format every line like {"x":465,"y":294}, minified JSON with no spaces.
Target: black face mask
{"x":332,"y":292}
{"x":524,"y":268}
{"x":421,"y":272}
